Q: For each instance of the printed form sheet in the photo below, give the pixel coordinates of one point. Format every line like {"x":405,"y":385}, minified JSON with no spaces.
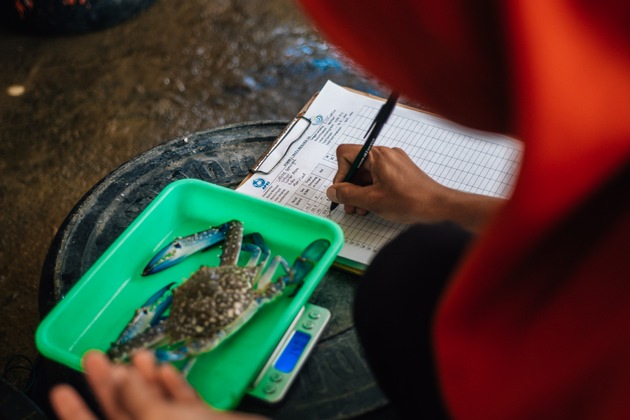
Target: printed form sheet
{"x":300,"y":169}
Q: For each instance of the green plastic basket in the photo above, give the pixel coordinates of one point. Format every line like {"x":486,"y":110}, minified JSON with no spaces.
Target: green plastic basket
{"x":103,"y":301}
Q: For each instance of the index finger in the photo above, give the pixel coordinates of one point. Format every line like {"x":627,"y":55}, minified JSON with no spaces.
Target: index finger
{"x":146,"y":364}
{"x":139,"y":397}
{"x":346,"y":153}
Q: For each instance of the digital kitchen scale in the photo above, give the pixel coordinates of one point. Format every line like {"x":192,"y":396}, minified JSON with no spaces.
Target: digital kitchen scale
{"x":285,"y":362}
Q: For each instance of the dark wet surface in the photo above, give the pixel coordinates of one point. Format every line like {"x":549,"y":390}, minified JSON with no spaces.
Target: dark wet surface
{"x":92,"y":102}
{"x":335,"y":382}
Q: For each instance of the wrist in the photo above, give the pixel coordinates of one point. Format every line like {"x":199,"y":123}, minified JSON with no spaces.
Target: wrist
{"x":470,"y":211}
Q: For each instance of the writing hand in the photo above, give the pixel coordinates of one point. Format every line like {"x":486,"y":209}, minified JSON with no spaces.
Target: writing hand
{"x":391,"y":185}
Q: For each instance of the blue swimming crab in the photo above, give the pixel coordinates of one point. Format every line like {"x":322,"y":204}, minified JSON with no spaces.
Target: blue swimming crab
{"x":214,"y":301}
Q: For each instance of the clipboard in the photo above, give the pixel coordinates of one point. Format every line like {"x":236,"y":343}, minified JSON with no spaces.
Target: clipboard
{"x":281,"y":145}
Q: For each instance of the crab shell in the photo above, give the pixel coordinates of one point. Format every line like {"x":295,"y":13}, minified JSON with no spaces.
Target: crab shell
{"x":210,"y":300}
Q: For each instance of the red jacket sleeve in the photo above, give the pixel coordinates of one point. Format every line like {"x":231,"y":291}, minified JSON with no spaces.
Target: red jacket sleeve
{"x":533,"y":325}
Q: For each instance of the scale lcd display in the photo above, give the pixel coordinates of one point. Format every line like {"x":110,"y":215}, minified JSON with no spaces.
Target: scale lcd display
{"x":292,"y":352}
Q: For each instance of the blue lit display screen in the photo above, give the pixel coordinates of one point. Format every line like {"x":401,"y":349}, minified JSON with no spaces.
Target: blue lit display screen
{"x":292,"y":352}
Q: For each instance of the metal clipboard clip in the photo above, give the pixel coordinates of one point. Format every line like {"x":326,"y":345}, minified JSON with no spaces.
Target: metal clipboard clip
{"x":278,"y":151}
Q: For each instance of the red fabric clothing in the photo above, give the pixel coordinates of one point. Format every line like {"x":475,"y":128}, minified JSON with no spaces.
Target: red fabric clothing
{"x":535,"y":323}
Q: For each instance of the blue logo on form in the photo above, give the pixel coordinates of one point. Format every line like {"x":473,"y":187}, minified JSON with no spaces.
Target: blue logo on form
{"x":260,"y":183}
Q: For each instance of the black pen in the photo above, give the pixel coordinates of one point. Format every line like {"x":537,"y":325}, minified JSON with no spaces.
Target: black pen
{"x":371,"y":134}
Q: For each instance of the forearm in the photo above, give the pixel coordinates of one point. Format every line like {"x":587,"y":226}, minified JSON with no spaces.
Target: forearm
{"x":470,"y":211}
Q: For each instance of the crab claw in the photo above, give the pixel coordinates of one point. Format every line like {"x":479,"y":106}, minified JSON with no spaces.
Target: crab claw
{"x":184,"y":246}
{"x":147,"y":315}
{"x":304,"y":263}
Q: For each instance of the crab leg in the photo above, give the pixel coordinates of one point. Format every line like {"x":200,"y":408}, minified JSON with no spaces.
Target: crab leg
{"x":233,"y":243}
{"x":267,"y":276}
{"x":255,"y":244}
{"x":183,"y":247}
{"x":296,"y":274}
{"x":183,"y":351}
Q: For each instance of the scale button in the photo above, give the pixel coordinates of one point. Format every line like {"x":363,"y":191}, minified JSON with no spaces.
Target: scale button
{"x":314,"y":315}
{"x":276,"y":377}
{"x":269,"y":389}
{"x":308,"y":325}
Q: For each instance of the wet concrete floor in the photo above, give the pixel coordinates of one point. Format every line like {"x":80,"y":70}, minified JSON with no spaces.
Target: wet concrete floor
{"x":74,"y":108}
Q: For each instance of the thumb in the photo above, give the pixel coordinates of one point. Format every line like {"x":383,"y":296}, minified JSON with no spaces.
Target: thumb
{"x":331,"y":193}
